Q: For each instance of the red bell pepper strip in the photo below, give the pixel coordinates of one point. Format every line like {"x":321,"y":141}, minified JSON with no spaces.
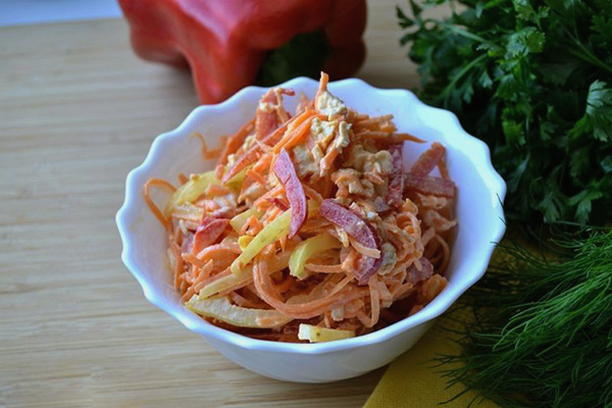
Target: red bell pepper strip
{"x":270,"y":112}
{"x":208,"y":232}
{"x":251,"y":155}
{"x":226,"y":42}
{"x":430,"y":185}
{"x":285,"y":171}
{"x":396,"y":178}
{"x":366,"y":267}
{"x":360,"y":230}
{"x":415,"y":275}
{"x":428,"y":160}
{"x":279,"y":203}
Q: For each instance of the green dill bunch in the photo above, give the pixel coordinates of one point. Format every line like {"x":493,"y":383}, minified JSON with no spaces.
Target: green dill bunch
{"x":533,"y":79}
{"x":542,"y":336}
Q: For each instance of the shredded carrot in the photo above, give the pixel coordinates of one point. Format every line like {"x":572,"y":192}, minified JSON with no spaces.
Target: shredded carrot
{"x":253,"y":153}
{"x":151,"y":204}
{"x":348,"y":265}
{"x":257,"y":177}
{"x":374,"y":302}
{"x":306,"y":310}
{"x":372,"y":121}
{"x":188,"y":294}
{"x":236,"y":140}
{"x":282,"y":113}
{"x":297,"y":130}
{"x":209,"y":154}
{"x":324,"y":268}
{"x":243,"y":301}
{"x":304,"y":104}
{"x":390,"y":137}
{"x":328,"y":160}
{"x":312,"y":193}
{"x":387,"y":128}
{"x":285,"y":285}
{"x":322,"y":84}
{"x":443,"y":169}
{"x":365,"y":251}
{"x":216,"y":190}
{"x":193,"y":259}
{"x":445,"y":251}
{"x":263,"y":163}
{"x":275,"y":136}
{"x":252,"y":224}
{"x":326,"y":186}
{"x":243,"y":161}
{"x":282,"y":240}
{"x":271,"y":214}
{"x":263,"y":200}
{"x":381,"y":123}
{"x":263,"y":147}
{"x":178,"y":261}
{"x":300,"y":133}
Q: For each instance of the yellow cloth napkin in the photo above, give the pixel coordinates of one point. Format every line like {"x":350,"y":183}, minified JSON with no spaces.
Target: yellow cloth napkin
{"x":411,"y":381}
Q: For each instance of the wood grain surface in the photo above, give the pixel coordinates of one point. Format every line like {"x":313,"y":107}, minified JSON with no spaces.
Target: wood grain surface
{"x":77,"y":111}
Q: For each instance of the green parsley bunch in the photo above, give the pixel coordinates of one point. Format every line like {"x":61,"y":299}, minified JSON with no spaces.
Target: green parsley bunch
{"x":533,"y":79}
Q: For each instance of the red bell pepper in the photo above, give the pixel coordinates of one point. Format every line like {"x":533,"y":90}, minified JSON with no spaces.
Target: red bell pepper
{"x":229,"y":44}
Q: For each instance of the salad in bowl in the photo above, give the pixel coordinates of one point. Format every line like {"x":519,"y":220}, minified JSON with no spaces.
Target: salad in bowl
{"x":323,"y":225}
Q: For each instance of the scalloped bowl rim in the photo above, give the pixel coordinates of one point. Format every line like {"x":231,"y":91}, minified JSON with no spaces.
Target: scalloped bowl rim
{"x":198,"y":325}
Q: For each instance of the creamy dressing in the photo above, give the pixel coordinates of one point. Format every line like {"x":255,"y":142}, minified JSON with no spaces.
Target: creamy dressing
{"x":370,"y":162}
{"x":321,"y":132}
{"x":304,"y":162}
{"x":342,"y":140}
{"x":267,"y":107}
{"x":330,"y":105}
{"x":389,"y":259}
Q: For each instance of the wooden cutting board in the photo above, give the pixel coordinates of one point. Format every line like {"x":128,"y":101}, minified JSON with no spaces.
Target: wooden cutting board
{"x":77,"y":111}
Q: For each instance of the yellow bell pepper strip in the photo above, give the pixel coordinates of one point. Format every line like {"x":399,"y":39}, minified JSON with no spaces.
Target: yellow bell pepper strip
{"x":306,"y":249}
{"x":191,"y":190}
{"x":244,"y":241}
{"x":187,"y":212}
{"x":242,"y":278}
{"x":222,"y":309}
{"x":315,"y":334}
{"x":275,"y":230}
{"x":235,"y":183}
{"x":239,"y":220}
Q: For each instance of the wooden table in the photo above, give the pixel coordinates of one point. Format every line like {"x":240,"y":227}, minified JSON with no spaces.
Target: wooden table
{"x":77,"y":111}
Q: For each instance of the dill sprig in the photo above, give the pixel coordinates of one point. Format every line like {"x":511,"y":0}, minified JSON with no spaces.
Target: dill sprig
{"x":542,"y":334}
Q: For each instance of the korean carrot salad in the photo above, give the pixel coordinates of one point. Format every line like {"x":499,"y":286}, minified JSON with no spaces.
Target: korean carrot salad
{"x":310,"y":228}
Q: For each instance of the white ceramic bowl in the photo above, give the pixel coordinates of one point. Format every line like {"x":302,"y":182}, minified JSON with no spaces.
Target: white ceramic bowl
{"x":479,"y":212}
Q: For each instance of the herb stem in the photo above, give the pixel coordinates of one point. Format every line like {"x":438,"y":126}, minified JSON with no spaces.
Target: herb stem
{"x":459,"y":31}
{"x":588,"y":56}
{"x":460,"y":74}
